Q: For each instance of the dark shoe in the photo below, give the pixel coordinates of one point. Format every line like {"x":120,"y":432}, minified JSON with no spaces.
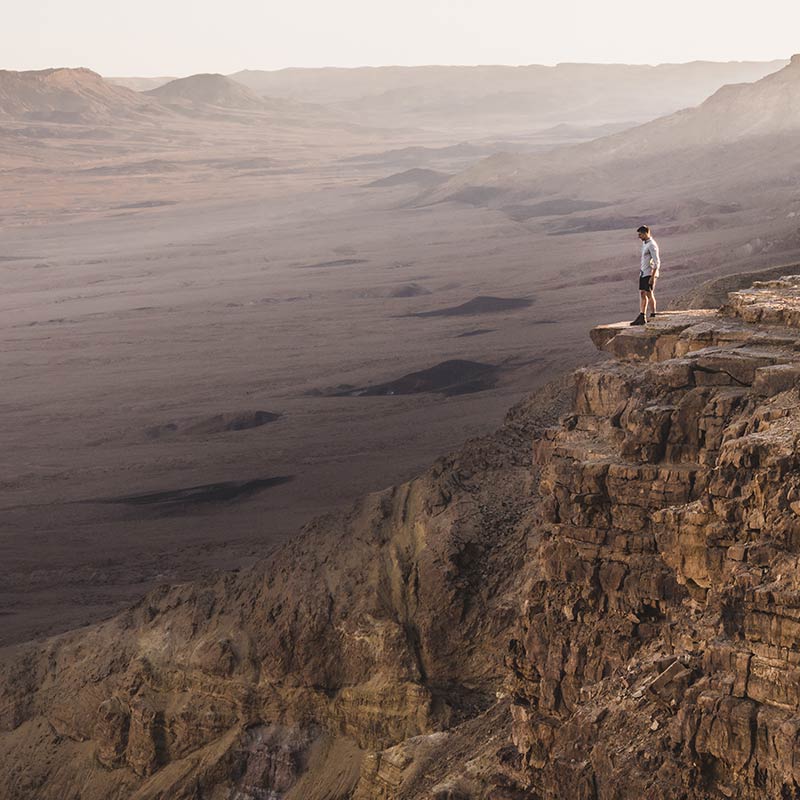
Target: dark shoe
{"x":652,"y":314}
{"x":639,"y":320}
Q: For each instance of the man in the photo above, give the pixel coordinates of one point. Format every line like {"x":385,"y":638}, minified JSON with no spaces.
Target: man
{"x":648,"y":275}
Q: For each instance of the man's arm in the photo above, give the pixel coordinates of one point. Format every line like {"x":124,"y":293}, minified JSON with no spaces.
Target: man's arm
{"x":655,"y":255}
{"x":655,"y":258}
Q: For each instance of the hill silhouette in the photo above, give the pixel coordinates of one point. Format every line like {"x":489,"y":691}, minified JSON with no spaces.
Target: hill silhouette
{"x":67,"y":95}
{"x":210,"y":89}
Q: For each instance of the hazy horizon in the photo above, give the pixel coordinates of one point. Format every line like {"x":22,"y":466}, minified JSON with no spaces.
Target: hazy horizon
{"x":181,"y":39}
{"x":182,"y":74}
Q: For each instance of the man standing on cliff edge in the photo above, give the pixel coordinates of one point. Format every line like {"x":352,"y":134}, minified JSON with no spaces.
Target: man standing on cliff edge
{"x":648,"y":275}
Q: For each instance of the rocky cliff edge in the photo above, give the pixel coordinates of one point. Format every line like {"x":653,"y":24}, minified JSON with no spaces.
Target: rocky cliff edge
{"x":601,"y":600}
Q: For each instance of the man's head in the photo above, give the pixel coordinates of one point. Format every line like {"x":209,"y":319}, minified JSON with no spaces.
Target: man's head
{"x":644,"y":232}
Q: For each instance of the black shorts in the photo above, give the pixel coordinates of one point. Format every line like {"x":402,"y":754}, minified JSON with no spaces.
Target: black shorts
{"x":644,"y":283}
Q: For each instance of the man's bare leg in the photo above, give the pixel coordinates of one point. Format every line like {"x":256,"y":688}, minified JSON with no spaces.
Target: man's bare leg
{"x":651,"y":296}
{"x":642,"y":318}
{"x":651,"y":299}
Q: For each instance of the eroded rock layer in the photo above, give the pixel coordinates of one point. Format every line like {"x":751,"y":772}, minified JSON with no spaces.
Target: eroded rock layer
{"x":603,"y":608}
{"x":659,"y":646}
{"x":371,"y":628}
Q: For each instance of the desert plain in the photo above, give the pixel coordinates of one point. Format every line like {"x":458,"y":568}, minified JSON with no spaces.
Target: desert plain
{"x":223,"y":316}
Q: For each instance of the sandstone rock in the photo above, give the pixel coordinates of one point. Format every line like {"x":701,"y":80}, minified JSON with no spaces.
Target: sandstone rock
{"x":710,"y":456}
{"x":769,"y":381}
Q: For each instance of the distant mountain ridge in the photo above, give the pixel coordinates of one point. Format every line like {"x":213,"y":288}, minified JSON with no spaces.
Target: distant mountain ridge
{"x":475,"y":101}
{"x":766,"y":107}
{"x":744,"y":132}
{"x":81,"y":96}
{"x":544,"y":95}
{"x":66,"y":95}
{"x":210,"y":89}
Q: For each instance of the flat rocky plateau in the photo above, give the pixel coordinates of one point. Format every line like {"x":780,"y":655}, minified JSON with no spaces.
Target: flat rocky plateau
{"x":600,"y":600}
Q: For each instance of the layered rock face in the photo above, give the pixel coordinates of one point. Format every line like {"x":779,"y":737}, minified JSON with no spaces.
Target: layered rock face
{"x":607,"y":607}
{"x":659,"y":649}
{"x":372,"y":628}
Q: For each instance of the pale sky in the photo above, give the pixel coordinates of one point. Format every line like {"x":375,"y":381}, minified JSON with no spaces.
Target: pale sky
{"x":181,"y":37}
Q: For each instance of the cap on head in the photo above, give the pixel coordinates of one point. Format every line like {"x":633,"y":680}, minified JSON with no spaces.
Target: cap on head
{"x":643,"y":229}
